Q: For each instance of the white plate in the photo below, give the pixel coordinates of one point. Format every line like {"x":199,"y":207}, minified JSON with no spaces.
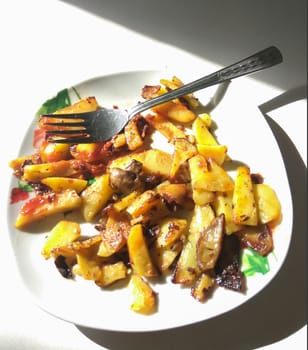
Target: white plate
{"x":249,"y":139}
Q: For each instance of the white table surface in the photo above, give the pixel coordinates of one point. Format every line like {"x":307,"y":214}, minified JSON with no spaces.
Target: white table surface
{"x":47,"y":45}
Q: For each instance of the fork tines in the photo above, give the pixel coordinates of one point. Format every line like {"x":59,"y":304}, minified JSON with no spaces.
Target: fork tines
{"x":66,"y":128}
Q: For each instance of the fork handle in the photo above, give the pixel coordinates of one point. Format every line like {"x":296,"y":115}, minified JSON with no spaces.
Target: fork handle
{"x":260,"y":60}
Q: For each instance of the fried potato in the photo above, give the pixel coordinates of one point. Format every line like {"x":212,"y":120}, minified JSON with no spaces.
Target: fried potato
{"x":115,"y":235}
{"x":112,"y":272}
{"x":268,"y":204}
{"x":154,"y":162}
{"x":95,"y":197}
{"x":139,"y":255}
{"x":187,"y":270}
{"x":42,"y":206}
{"x":183,"y":150}
{"x":62,"y":234}
{"x":216,"y":152}
{"x":223,"y":205}
{"x":244,"y":204}
{"x":202,"y":133}
{"x":59,"y":184}
{"x":165,"y":127}
{"x":53,"y":152}
{"x":132,"y":135}
{"x":62,"y":168}
{"x":202,"y":287}
{"x":144,"y":297}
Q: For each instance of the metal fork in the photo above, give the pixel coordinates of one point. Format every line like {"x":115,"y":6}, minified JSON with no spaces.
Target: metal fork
{"x":102,"y":124}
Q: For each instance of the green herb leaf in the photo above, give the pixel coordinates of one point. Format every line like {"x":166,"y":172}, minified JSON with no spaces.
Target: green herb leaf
{"x":91,"y":181}
{"x":25,"y":186}
{"x":253,"y":263}
{"x":61,"y":100}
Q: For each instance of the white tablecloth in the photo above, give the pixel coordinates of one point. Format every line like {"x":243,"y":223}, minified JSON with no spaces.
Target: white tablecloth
{"x":47,"y":45}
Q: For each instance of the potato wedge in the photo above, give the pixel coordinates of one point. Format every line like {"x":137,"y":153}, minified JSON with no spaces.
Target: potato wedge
{"x":62,"y":168}
{"x":216,"y":152}
{"x":144,"y":203}
{"x":164,"y":257}
{"x":213,"y":180}
{"x":244,"y":204}
{"x":59,"y":184}
{"x":183,"y":150}
{"x":132,"y":135}
{"x":223,"y":205}
{"x":42,"y":206}
{"x":202,"y":133}
{"x":269,"y":207}
{"x":187,"y":270}
{"x":115,"y":235}
{"x":139,"y":255}
{"x":170,"y":230}
{"x":110,"y":273}
{"x":53,"y":152}
{"x":202,"y":287}
{"x":165,"y":127}
{"x":154,"y":162}
{"x":209,"y":243}
{"x":144,"y":298}
{"x":95,"y":197}
{"x":62,"y":234}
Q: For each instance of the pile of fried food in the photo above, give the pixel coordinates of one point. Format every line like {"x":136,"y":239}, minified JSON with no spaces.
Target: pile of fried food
{"x":154,"y":213}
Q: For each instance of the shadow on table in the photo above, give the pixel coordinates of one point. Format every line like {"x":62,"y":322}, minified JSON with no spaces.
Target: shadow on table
{"x":272,"y":315}
{"x":218,"y":31}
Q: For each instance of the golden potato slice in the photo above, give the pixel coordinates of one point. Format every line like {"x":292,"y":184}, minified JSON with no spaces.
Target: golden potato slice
{"x":223,"y":205}
{"x":62,"y":168}
{"x":144,"y":203}
{"x":133,"y":138}
{"x":165,"y":127}
{"x":244,"y":204}
{"x":86,"y":246}
{"x":165,"y":256}
{"x":89,"y":267}
{"x":183,"y":150}
{"x":144,"y":297}
{"x":187,"y":270}
{"x":202,"y":287}
{"x":62,"y":234}
{"x":59,"y":184}
{"x":216,"y":179}
{"x":115,"y":234}
{"x":139,"y":255}
{"x":125,"y":202}
{"x":153,"y":161}
{"x":42,"y":206}
{"x":84,"y":105}
{"x":173,"y":193}
{"x":269,"y":207}
{"x":170,"y":230}
{"x":111,"y":273}
{"x":53,"y":152}
{"x":176,"y":111}
{"x":209,"y":243}
{"x":202,"y":133}
{"x":95,"y":197}
{"x":215,"y":152}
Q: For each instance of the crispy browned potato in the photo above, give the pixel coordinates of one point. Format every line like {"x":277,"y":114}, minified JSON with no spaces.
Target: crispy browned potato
{"x":139,"y":255}
{"x":244,"y":204}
